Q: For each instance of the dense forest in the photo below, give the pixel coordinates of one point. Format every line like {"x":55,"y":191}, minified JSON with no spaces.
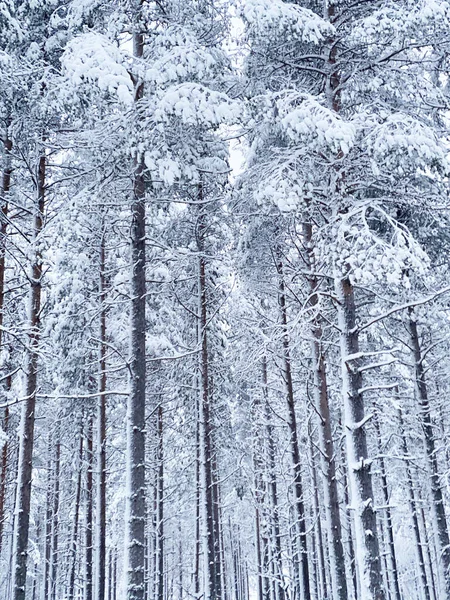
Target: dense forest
{"x":224,"y":300}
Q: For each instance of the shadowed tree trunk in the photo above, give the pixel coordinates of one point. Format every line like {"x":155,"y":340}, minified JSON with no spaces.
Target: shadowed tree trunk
{"x":136,"y":511}
{"x":89,"y":510}
{"x":277,"y":559}
{"x":55,"y":519}
{"x":101,"y":434}
{"x":160,"y":507}
{"x":301,"y":554}
{"x":331,"y":497}
{"x":367,"y":553}
{"x":438,"y":507}
{"x":388,"y":512}
{"x":74,"y":545}
{"x":25,"y":469}
{"x":211,"y":541}
{"x":6,"y":186}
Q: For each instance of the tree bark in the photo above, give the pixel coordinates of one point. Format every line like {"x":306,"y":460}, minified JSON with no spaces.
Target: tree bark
{"x":301,"y":558}
{"x":359,"y":466}
{"x":6,"y":186}
{"x":136,"y":511}
{"x":74,"y":545}
{"x":331,"y":496}
{"x":413,"y":510}
{"x":55,"y":520}
{"x":23,"y":495}
{"x":212,"y":589}
{"x":388,"y":513}
{"x":160,"y":507}
{"x":3,"y":475}
{"x":89,"y":511}
{"x":101,"y":433}
{"x":438,"y":507}
{"x":277,"y":558}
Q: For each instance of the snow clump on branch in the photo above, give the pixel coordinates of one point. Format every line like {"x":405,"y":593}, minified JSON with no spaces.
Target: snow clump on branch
{"x":275,"y":17}
{"x":92,"y":58}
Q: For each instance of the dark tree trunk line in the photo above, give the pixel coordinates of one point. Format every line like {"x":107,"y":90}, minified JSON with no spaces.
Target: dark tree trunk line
{"x":101,"y":430}
{"x":301,"y":566}
{"x":54,"y":564}
{"x":331,"y":496}
{"x":136,"y":509}
{"x":89,"y":510}
{"x":277,"y":559}
{"x":6,"y":186}
{"x":25,"y":469}
{"x":438,"y":507}
{"x":160,"y":507}
{"x":388,"y":513}
{"x":74,"y":543}
{"x":213,"y":583}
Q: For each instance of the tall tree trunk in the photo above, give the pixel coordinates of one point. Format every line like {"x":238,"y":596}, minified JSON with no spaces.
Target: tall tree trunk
{"x":136,"y":512}
{"x":301,"y":558}
{"x":331,"y":497}
{"x":218,"y":530}
{"x":388,"y":513}
{"x":89,"y":510}
{"x":438,"y":508}
{"x":210,"y":554}
{"x":36,"y":564}
{"x":74,"y":545}
{"x":277,"y":558}
{"x":413,"y":510}
{"x":320,"y":538}
{"x":198,"y":500}
{"x":3,"y":475}
{"x":359,"y":465}
{"x":55,"y":520}
{"x":25,"y":469}
{"x":48,"y":521}
{"x":101,"y":434}
{"x":6,"y":186}
{"x":160,"y":507}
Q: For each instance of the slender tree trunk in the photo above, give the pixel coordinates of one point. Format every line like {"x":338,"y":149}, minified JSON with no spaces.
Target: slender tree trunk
{"x":89,"y":511}
{"x":351,"y":566}
{"x":135,"y":521}
{"x":210,"y":554}
{"x":259,"y":561}
{"x":180,"y":563}
{"x":6,"y":186}
{"x":101,"y":435}
{"x":259,"y":469}
{"x":273,"y":490}
{"x":428,"y":550}
{"x":36,"y":564}
{"x":438,"y":508}
{"x":388,"y":512}
{"x":413,"y":510}
{"x":331,"y":497}
{"x":301,"y":558}
{"x":218,"y":531}
{"x":114,"y":592}
{"x":160,"y":507}
{"x":48,"y":522}
{"x":74,"y":545}
{"x":3,"y":475}
{"x":359,"y":466}
{"x":320,"y":539}
{"x":110,"y":575}
{"x":55,"y":521}
{"x":198,"y":499}
{"x":23,"y":495}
